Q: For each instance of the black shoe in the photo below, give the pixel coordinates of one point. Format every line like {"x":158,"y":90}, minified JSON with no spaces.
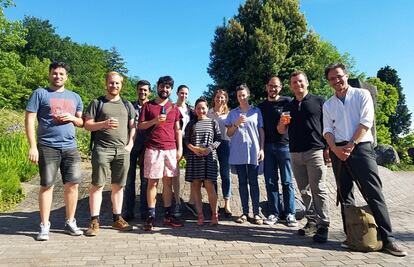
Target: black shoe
{"x":321,"y":235}
{"x":191,"y":208}
{"x":149,"y":224}
{"x":394,"y":249}
{"x":309,"y":229}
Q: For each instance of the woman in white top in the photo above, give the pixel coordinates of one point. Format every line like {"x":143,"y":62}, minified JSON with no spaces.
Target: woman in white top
{"x":219,"y":112}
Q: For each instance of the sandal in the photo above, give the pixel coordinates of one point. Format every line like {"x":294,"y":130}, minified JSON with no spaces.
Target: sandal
{"x":257,"y":220}
{"x":242,"y":219}
{"x":214,"y":219}
{"x":200,"y":219}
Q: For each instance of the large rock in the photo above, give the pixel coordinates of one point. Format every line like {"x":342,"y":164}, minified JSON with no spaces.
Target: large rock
{"x":386,"y":154}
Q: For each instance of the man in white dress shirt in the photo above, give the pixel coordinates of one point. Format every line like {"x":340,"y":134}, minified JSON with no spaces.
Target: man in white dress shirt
{"x":348,"y":117}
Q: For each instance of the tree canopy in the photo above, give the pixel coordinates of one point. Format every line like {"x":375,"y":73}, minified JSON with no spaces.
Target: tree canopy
{"x":265,"y":38}
{"x":400,"y":121}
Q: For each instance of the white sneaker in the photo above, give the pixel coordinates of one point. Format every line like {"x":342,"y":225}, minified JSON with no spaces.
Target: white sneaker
{"x":72,"y":229}
{"x":271,"y":220}
{"x":43,"y":234}
{"x":291,"y":220}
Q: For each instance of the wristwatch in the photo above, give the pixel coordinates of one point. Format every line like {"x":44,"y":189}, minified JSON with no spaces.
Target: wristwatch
{"x":353,"y":142}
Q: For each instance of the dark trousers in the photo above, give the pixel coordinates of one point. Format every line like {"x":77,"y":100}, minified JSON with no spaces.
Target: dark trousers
{"x":129,"y":194}
{"x":364,"y":169}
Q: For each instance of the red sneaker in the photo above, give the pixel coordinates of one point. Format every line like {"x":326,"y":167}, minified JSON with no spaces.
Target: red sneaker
{"x":170,"y":220}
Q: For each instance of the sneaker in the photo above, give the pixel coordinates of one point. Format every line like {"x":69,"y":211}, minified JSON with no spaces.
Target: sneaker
{"x":43,"y":234}
{"x":345,"y":244}
{"x":308,"y":229}
{"x":321,"y":235}
{"x":291,"y":220}
{"x":149,"y":224}
{"x":93,"y":229}
{"x":171,"y":220}
{"x":121,"y":225}
{"x":191,"y":208}
{"x":72,"y":229}
{"x":177,"y":210}
{"x":394,"y":249}
{"x":271,"y":220}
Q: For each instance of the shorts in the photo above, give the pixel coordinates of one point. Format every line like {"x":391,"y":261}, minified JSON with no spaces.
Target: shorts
{"x":51,"y":159}
{"x":113,"y":161}
{"x":160,"y":163}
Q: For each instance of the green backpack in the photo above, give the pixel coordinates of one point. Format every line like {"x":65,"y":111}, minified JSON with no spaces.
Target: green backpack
{"x":361,"y":229}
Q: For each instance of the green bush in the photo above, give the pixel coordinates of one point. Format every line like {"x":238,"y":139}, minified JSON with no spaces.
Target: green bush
{"x":14,"y":164}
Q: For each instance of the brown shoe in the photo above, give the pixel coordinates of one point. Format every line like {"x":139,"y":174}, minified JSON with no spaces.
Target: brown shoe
{"x":121,"y":225}
{"x":93,"y":229}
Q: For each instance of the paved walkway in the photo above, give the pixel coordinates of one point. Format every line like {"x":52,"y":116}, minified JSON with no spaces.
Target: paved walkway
{"x":229,"y":244}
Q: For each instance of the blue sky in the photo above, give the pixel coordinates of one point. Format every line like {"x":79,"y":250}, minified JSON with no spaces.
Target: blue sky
{"x":160,"y":37}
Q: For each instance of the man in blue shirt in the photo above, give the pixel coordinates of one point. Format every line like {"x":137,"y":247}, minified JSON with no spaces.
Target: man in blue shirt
{"x":58,"y":111}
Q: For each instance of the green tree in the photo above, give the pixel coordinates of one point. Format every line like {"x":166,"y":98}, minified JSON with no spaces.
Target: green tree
{"x":400,"y":122}
{"x":267,"y":37}
{"x":115,"y":61}
{"x":387,"y":98}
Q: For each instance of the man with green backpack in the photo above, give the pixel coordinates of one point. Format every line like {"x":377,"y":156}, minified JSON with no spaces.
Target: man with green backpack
{"x":111,"y":121}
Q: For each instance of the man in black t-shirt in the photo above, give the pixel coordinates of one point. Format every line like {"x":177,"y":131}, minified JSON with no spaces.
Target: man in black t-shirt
{"x":277,"y":158}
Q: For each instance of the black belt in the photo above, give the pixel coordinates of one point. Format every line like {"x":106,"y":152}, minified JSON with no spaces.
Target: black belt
{"x":346,"y":142}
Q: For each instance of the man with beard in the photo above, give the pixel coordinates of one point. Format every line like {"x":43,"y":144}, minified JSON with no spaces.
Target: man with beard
{"x":277,"y":159}
{"x":161,"y":119}
{"x":136,"y":157}
{"x":111,"y":119}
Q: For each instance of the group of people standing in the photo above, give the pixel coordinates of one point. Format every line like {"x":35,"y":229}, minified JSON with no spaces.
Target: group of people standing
{"x":286,"y":135}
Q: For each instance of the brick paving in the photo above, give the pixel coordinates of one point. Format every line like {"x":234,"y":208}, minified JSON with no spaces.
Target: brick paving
{"x":229,"y":244}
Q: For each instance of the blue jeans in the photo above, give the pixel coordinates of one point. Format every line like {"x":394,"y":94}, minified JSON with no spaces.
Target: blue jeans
{"x":129,"y":194}
{"x":223,"y":152}
{"x":247,"y":174}
{"x":277,"y":156}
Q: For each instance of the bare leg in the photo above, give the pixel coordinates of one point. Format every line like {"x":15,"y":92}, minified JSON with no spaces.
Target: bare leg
{"x":95,"y":199}
{"x":70,"y":196}
{"x":117,"y":196}
{"x":45,"y":203}
{"x":196,"y":189}
{"x":167,"y":191}
{"x":152,"y":192}
{"x":212,"y":196}
{"x":176,"y":186}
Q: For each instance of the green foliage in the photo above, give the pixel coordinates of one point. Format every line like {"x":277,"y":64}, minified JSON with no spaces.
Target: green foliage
{"x":83,"y":138}
{"x":404,"y":143}
{"x":400,"y":121}
{"x":387,"y":98}
{"x":14,"y":164}
{"x":268,"y":37}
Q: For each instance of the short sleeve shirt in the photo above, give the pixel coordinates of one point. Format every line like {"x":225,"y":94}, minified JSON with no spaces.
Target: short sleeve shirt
{"x":47,"y":104}
{"x":160,"y":136}
{"x":111,"y":109}
{"x":271,"y":111}
{"x":244,"y":143}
